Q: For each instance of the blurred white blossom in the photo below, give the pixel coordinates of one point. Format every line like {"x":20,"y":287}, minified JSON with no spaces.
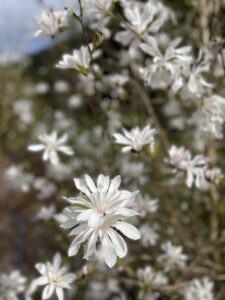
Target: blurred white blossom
{"x":54,"y":277}
{"x":51,"y":22}
{"x":46,"y":213}
{"x":165,"y":68}
{"x":172,"y":257}
{"x":51,"y":144}
{"x":200,"y":290}
{"x":11,"y":285}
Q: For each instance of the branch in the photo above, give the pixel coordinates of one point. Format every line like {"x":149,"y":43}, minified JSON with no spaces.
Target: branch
{"x":151,"y":112}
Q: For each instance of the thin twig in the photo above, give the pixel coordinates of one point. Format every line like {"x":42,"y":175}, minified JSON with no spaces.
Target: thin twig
{"x":83,"y":28}
{"x":150,"y":109}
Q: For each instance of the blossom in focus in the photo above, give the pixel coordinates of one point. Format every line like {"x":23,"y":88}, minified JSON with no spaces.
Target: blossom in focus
{"x":54,"y":277}
{"x":165,"y":68}
{"x":98,"y":215}
{"x":173,"y":257}
{"x":135,"y":139}
{"x":199,"y":290}
{"x":51,"y":144}
{"x":51,"y":22}
{"x":11,"y":285}
{"x":79,"y":60}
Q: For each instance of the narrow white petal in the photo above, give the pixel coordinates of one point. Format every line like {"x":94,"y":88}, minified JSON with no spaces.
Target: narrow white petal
{"x":128,"y":230}
{"x":59,"y":293}
{"x":43,"y":280}
{"x":120,"y":245}
{"x":57,"y":260}
{"x":41,"y":268}
{"x":90,"y":183}
{"x":108,"y":251}
{"x":47,"y":292}
{"x":36,"y":147}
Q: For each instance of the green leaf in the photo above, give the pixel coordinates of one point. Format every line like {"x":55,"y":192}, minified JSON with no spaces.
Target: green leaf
{"x":98,"y":39}
{"x":72,"y":13}
{"x":84,"y":70}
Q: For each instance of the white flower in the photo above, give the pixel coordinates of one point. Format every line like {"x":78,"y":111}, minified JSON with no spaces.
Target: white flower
{"x":98,"y":8}
{"x":50,"y":144}
{"x":146,"y":205}
{"x":136,"y":138}
{"x":149,"y":236}
{"x":46,"y":213}
{"x":164,"y":68}
{"x":18,"y":179}
{"x":24,"y":109}
{"x":79,"y":60}
{"x":193,"y":83}
{"x":45,"y":188}
{"x":97,"y":215}
{"x":172,"y":257}
{"x":200,"y":290}
{"x":178,"y":157}
{"x":151,"y":278}
{"x":54,"y":277}
{"x":212,"y":115}
{"x":143,"y":19}
{"x":11,"y":285}
{"x":195,"y":168}
{"x":51,"y":22}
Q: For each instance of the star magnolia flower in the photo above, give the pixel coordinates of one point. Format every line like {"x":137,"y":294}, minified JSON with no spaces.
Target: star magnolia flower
{"x":148,"y":277}
{"x":79,"y":60}
{"x":136,"y":138}
{"x":51,"y":145}
{"x":98,"y":216}
{"x":165,"y":68}
{"x":195,"y":167}
{"x":172,"y":257}
{"x":98,"y":8}
{"x":11,"y":285}
{"x":212,"y":115}
{"x":199,"y":290}
{"x":143,"y":19}
{"x":51,"y":22}
{"x":54,"y":277}
{"x":178,"y":157}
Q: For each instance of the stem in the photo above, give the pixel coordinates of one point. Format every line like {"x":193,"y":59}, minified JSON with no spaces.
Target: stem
{"x":151,"y":112}
{"x":83,"y":28}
